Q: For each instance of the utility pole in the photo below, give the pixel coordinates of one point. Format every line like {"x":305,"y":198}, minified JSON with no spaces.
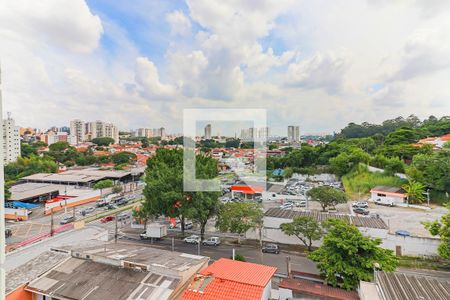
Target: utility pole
{"x":198,"y":248}
{"x":51,"y":221}
{"x":73,"y":213}
{"x":173,"y":244}
{"x":288,"y":266}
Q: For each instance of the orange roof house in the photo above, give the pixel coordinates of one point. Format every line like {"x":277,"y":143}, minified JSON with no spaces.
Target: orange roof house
{"x":230,"y":279}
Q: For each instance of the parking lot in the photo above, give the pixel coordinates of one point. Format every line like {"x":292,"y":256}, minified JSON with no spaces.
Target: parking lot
{"x":410,"y":219}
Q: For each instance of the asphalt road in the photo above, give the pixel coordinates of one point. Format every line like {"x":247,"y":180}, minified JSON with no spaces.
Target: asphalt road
{"x":251,"y":253}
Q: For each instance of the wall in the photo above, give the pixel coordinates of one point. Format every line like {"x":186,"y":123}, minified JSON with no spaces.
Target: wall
{"x":411,"y":246}
{"x":16,"y":213}
{"x":387,"y":198}
{"x":57,"y":206}
{"x":19,"y":294}
{"x":267,"y":291}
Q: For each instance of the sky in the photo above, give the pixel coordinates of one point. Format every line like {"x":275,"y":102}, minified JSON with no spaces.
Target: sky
{"x":137,"y":63}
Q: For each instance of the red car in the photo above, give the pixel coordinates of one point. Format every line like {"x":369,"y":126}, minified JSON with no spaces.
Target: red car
{"x":107,"y":219}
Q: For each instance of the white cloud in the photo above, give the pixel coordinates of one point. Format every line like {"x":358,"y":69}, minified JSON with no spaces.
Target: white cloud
{"x":325,"y":71}
{"x":179,"y":23}
{"x":69,"y":25}
{"x":148,"y":80}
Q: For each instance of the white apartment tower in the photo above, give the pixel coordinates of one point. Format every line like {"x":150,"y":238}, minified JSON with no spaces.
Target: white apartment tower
{"x":293,"y":133}
{"x":208,"y":132}
{"x":11,"y":140}
{"x":77,"y":130}
{"x":111,"y":131}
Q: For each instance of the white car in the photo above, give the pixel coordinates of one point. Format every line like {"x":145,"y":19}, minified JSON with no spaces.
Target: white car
{"x":287,"y":206}
{"x":193,"y":239}
{"x":212,"y":241}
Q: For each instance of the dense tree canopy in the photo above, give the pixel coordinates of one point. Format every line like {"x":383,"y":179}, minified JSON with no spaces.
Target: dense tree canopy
{"x":347,"y":256}
{"x":305,"y":228}
{"x":103,"y":141}
{"x":327,"y":196}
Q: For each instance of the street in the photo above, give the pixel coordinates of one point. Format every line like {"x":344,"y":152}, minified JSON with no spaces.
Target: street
{"x":251,"y":253}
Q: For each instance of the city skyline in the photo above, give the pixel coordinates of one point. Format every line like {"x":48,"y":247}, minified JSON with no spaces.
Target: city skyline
{"x":142,"y":64}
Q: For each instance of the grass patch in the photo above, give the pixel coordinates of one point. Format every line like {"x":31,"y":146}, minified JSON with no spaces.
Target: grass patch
{"x":361,"y":181}
{"x":436,"y":264}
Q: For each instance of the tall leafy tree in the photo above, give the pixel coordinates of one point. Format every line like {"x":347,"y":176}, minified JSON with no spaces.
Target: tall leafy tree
{"x":305,"y":228}
{"x":442,"y":229}
{"x":414,"y":191}
{"x":164,"y":192}
{"x":239,"y":217}
{"x":347,"y":256}
{"x":103,"y":184}
{"x":103,"y":141}
{"x":327,"y":196}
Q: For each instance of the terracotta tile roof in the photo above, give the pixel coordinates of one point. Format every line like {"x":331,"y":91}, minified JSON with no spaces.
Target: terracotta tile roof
{"x":229,"y":279}
{"x":219,"y":289}
{"x":317,"y":289}
{"x":243,"y":272}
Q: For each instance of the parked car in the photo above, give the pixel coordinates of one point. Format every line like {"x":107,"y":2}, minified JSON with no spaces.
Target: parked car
{"x":87,"y":210}
{"x":107,"y":219}
{"x":361,"y":211}
{"x":123,"y":216}
{"x":101,"y":203}
{"x":271,"y":248}
{"x":403,"y":233}
{"x":111,"y":206}
{"x":193,"y":239}
{"x":188,"y":225}
{"x":212,"y":241}
{"x":287,"y":206}
{"x":361,"y":204}
{"x":67,"y":220}
{"x":121,"y":202}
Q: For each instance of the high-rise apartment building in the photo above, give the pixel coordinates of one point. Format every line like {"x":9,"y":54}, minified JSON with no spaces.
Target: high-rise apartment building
{"x":293,"y":133}
{"x":81,"y":131}
{"x":144,"y":132}
{"x":208,"y":132}
{"x":11,"y":140}
{"x":111,"y":131}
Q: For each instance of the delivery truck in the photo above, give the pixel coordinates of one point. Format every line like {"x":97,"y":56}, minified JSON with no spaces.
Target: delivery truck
{"x":154,"y":231}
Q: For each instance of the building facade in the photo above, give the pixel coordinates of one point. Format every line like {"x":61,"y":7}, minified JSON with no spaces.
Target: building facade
{"x":86,"y":131}
{"x":293,"y":133}
{"x":77,"y":129}
{"x":11,"y":140}
{"x":208,"y":132}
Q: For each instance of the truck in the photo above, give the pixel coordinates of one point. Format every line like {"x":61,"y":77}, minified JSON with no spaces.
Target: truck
{"x":154,"y":231}
{"x":384,"y":201}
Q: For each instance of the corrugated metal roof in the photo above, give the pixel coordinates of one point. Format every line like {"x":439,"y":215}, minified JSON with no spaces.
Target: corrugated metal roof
{"x":84,"y":279}
{"x":369,"y":222}
{"x":401,"y":286}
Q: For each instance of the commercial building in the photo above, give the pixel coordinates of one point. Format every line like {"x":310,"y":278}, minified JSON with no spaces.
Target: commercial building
{"x":231,"y":279}
{"x":113,"y":271}
{"x":293,"y":133}
{"x":11,"y":140}
{"x":388,"y":195}
{"x":208,"y":132}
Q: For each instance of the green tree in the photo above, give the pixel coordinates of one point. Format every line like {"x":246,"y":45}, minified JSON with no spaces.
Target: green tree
{"x":327,"y":196}
{"x":59,"y":146}
{"x":27,"y":150}
{"x":232,"y":143}
{"x":414,"y":191}
{"x":145,"y":142}
{"x":103,"y":141}
{"x":346,"y":161}
{"x":239,"y":217}
{"x":442,"y":229}
{"x":103,"y":184}
{"x":124,"y":157}
{"x":305,"y":228}
{"x":347,"y":256}
{"x":117,"y":189}
{"x":402,"y":136}
{"x":203,"y":206}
